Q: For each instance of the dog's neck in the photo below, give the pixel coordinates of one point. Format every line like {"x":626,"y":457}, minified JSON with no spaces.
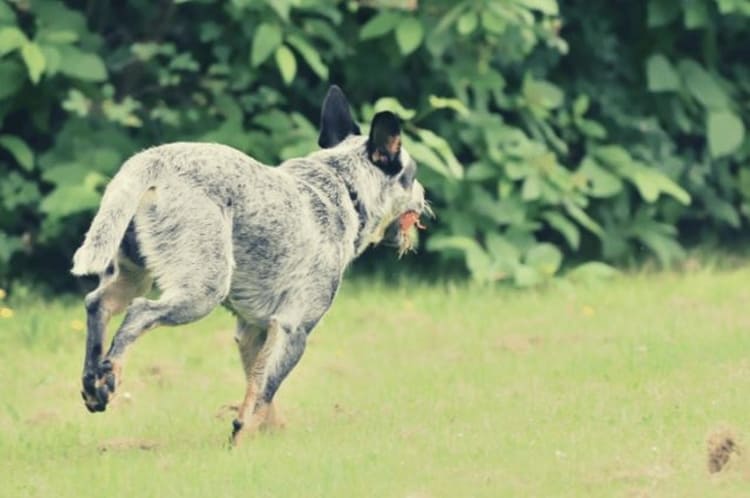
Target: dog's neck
{"x":344,"y":161}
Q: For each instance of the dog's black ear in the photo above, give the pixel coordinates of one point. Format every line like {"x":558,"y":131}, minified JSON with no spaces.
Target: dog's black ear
{"x":336,"y":121}
{"x":384,"y":143}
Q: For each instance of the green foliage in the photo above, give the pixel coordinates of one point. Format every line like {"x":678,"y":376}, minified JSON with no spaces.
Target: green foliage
{"x":546,"y":131}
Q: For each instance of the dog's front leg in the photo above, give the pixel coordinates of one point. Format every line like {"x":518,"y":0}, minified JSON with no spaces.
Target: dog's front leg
{"x":97,"y":316}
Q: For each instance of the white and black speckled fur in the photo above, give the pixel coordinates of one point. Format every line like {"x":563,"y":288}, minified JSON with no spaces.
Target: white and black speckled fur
{"x":213,"y":226}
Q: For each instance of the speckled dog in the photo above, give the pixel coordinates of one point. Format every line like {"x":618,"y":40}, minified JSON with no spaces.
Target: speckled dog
{"x":213,"y":226}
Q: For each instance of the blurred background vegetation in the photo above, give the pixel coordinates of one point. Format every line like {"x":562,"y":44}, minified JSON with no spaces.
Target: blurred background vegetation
{"x":547,"y":131}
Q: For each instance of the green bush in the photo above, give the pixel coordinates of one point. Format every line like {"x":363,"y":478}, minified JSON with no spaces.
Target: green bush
{"x":545,"y":130}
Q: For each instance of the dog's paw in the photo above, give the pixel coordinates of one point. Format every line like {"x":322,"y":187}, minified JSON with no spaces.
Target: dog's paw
{"x":99,"y":388}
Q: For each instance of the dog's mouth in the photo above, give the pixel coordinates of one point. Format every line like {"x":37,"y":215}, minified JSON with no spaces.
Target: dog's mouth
{"x":401,"y":233}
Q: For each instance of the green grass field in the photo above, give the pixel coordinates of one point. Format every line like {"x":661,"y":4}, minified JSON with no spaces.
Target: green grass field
{"x":409,"y":391}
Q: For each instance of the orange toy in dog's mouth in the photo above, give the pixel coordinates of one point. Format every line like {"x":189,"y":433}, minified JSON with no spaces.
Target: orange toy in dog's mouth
{"x":405,"y":222}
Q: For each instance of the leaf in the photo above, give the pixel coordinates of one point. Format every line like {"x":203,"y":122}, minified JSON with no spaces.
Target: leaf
{"x":726,"y":132}
{"x":478,"y":262}
{"x":11,"y":38}
{"x":703,"y":86}
{"x":722,"y":210}
{"x":69,"y":199}
{"x":545,"y":258}
{"x":77,"y":103}
{"x":532,"y":188}
{"x":409,"y":35}
{"x":548,"y":7}
{"x":19,"y":150}
{"x":542,"y":93}
{"x":525,"y":276}
{"x":310,"y":55}
{"x":184,"y":62}
{"x":592,"y":271}
{"x":584,"y":219}
{"x":54,"y":14}
{"x":651,"y":182}
{"x":442,"y":147}
{"x":662,"y":12}
{"x":565,"y":227}
{"x":502,"y":250}
{"x":8,"y":246}
{"x":52,"y":58}
{"x":658,"y":237}
{"x":81,"y":65}
{"x":393,"y":105}
{"x":591,"y":128}
{"x":381,"y":24}
{"x":661,"y":75}
{"x":480,"y":171}
{"x":286,"y":63}
{"x":449,"y":18}
{"x":458,"y":243}
{"x":12,"y":77}
{"x":480,"y":265}
{"x":6,"y":14}
{"x":34,"y":59}
{"x":448,"y":103}
{"x":145,"y":51}
{"x":467,"y":23}
{"x":60,"y":37}
{"x":599,"y":181}
{"x":614,"y":155}
{"x":282,"y":8}
{"x":426,"y":156}
{"x":267,"y":38}
{"x":581,"y":105}
{"x":66,"y":174}
{"x":696,"y":14}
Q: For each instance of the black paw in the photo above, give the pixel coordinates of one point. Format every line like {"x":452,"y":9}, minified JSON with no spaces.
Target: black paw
{"x":99,"y":387}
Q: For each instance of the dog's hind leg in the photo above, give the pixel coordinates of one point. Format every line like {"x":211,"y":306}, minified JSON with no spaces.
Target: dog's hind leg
{"x":193,"y":282}
{"x":143,"y":315}
{"x":116,"y":290}
{"x":267,"y":358}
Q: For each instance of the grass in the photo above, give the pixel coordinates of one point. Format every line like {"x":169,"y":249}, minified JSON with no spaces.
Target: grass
{"x":409,"y":391}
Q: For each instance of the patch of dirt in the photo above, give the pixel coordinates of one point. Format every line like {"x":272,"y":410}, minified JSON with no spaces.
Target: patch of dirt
{"x":518,"y":344}
{"x":658,"y":472}
{"x":722,"y":445}
{"x":43,"y":417}
{"x":345,"y":413}
{"x":126,"y":443}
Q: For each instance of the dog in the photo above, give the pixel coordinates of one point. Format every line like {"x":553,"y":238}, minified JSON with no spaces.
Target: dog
{"x":212,"y":226}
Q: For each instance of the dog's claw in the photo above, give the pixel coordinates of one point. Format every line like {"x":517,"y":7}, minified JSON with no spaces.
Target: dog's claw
{"x":236,"y":428}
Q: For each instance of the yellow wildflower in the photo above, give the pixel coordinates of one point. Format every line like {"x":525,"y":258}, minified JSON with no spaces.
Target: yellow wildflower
{"x":2,"y":294}
{"x":6,"y":313}
{"x":77,"y":325}
{"x":587,"y":311}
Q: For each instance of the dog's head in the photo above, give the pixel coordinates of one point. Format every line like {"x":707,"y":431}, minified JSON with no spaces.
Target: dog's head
{"x":377,"y":168}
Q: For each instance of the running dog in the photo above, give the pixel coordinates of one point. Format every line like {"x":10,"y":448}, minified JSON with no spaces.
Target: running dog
{"x":212,"y":226}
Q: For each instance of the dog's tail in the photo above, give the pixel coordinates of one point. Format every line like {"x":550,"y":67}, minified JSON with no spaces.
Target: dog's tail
{"x":118,"y":206}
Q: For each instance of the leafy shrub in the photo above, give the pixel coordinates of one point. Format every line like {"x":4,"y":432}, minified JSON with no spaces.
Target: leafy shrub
{"x":546,"y":130}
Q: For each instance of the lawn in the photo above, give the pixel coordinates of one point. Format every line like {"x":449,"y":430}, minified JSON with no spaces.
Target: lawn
{"x":610,"y":389}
